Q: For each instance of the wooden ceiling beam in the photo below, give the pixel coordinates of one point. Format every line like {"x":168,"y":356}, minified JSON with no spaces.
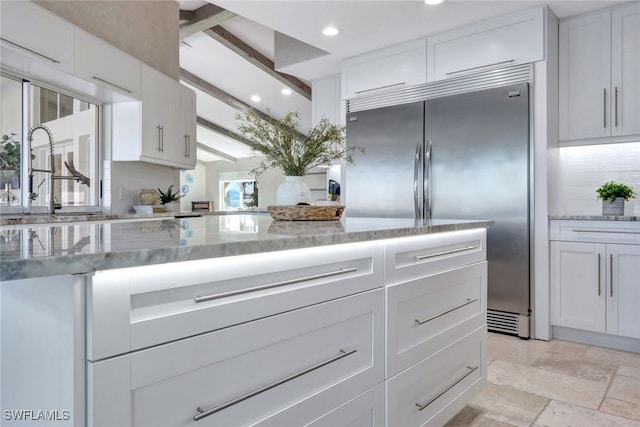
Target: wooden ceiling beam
{"x":218,"y":153}
{"x":222,"y":131}
{"x":256,"y":58}
{"x":202,"y":18}
{"x":221,"y":95}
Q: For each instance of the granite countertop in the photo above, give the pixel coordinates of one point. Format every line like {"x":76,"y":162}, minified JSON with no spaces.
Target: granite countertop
{"x":39,"y":250}
{"x":594,"y":218}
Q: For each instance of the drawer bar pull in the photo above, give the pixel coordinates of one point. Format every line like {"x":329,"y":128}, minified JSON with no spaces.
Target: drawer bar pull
{"x":470,"y":371}
{"x":111,"y":84}
{"x":453,"y":251}
{"x":205,"y":413}
{"x":479,"y":67}
{"x":606,"y":231}
{"x":199,"y":299}
{"x":48,"y":58}
{"x":429,"y":319}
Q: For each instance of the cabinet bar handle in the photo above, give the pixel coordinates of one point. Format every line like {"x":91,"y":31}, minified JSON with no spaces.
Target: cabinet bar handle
{"x":205,"y":413}
{"x":159,"y":131}
{"x":186,"y":145}
{"x":55,"y":61}
{"x":599,"y":281}
{"x":479,"y":67}
{"x":162,"y":138}
{"x":611,"y":275}
{"x":199,"y":299}
{"x":615,"y":106}
{"x":604,"y":107}
{"x":453,"y":251}
{"x":470,"y":371}
{"x":111,"y":84}
{"x":606,"y":231}
{"x":428,"y":319}
{"x":379,"y":87}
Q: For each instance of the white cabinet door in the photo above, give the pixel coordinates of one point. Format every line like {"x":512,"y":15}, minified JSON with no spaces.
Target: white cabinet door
{"x":395,"y":67}
{"x":517,"y":38}
{"x":625,"y":69}
{"x":432,"y":391}
{"x":185,"y":114}
{"x":578,"y":285}
{"x":105,"y":65}
{"x":326,"y":100}
{"x":427,"y":314}
{"x":623,"y":295}
{"x":244,"y":374}
{"x":157,"y":98}
{"x":37,"y":33}
{"x":585,"y":76}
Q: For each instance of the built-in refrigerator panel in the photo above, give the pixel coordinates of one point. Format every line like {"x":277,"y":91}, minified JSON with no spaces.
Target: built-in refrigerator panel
{"x":480,"y":170}
{"x":381,"y":182}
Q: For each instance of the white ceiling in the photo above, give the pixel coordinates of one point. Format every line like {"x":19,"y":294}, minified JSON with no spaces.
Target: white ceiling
{"x":365,"y":26}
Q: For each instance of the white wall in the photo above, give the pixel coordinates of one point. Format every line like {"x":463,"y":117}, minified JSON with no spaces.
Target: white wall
{"x":579,"y":171}
{"x":126,"y":179}
{"x":196,"y":185}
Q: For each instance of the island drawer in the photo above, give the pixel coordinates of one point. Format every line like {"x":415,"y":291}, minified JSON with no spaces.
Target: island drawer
{"x":244,"y":374}
{"x":431,"y":392}
{"x":412,"y":257}
{"x":141,"y":307}
{"x":429,"y":313}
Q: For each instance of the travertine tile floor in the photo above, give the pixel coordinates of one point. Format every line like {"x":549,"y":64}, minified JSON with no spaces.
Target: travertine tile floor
{"x":556,"y":383}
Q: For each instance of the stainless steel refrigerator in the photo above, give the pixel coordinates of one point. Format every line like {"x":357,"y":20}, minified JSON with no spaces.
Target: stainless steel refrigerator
{"x":463,"y":156}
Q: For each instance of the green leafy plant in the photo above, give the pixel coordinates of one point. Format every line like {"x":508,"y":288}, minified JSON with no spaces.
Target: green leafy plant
{"x":283,"y":147}
{"x":10,"y":152}
{"x":168,"y":196}
{"x":610,"y":190}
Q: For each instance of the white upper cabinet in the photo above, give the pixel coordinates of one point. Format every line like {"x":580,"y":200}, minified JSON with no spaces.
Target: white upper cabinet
{"x":104,"y":65}
{"x":326,"y":100}
{"x":517,"y":38}
{"x":394,"y":67}
{"x":160,"y":128}
{"x":37,"y":33}
{"x":625,"y":69}
{"x":599,"y":74}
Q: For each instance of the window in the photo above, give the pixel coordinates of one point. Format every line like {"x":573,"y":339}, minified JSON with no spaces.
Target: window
{"x":238,"y":194}
{"x":74,"y":185}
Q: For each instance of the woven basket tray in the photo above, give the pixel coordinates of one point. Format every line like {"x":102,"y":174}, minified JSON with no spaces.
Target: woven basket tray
{"x":305,"y":213}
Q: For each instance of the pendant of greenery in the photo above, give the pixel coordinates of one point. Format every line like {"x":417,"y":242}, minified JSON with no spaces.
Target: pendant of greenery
{"x":283,"y":147}
{"x":168,"y":196}
{"x":610,"y":190}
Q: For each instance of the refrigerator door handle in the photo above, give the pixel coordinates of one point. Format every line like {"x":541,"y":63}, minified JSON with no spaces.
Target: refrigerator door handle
{"x":418,"y":193}
{"x":426,"y":185}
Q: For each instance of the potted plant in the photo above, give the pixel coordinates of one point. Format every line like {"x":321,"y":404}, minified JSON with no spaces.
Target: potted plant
{"x":10,"y":153}
{"x":283,"y":147}
{"x":613,"y":196}
{"x":168,"y":197}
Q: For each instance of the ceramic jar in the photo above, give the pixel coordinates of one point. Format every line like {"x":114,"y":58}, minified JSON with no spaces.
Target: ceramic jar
{"x":148,"y":196}
{"x":293,"y":191}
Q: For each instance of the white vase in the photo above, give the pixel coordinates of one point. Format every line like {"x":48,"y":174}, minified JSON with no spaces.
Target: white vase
{"x":293,"y":191}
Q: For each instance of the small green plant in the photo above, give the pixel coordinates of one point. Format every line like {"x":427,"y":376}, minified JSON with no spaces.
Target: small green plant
{"x":168,"y":196}
{"x":610,"y":190}
{"x":9,"y":153}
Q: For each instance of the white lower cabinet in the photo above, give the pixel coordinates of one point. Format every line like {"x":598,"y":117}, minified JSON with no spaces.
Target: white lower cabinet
{"x":594,"y":278}
{"x":431,"y":392}
{"x":389,"y":333}
{"x":244,"y":374}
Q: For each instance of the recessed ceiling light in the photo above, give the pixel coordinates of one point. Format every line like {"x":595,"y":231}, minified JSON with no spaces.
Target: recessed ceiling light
{"x":286,"y":91}
{"x":330,"y":31}
{"x":432,"y":2}
{"x":255,"y":98}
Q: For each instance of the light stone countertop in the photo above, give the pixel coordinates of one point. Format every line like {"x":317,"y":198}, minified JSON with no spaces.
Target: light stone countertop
{"x":594,"y":218}
{"x":39,"y":250}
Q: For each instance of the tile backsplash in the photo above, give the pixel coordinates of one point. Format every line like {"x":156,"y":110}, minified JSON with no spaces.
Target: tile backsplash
{"x":576,"y":173}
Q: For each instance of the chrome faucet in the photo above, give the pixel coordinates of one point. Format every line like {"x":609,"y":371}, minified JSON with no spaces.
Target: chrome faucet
{"x":32,"y":194}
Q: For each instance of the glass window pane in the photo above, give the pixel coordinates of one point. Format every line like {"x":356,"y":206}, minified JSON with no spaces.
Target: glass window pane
{"x":11,"y":141}
{"x":75,"y":132}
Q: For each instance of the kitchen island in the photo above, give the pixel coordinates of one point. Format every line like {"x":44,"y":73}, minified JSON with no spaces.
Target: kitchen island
{"x":242,"y":320}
